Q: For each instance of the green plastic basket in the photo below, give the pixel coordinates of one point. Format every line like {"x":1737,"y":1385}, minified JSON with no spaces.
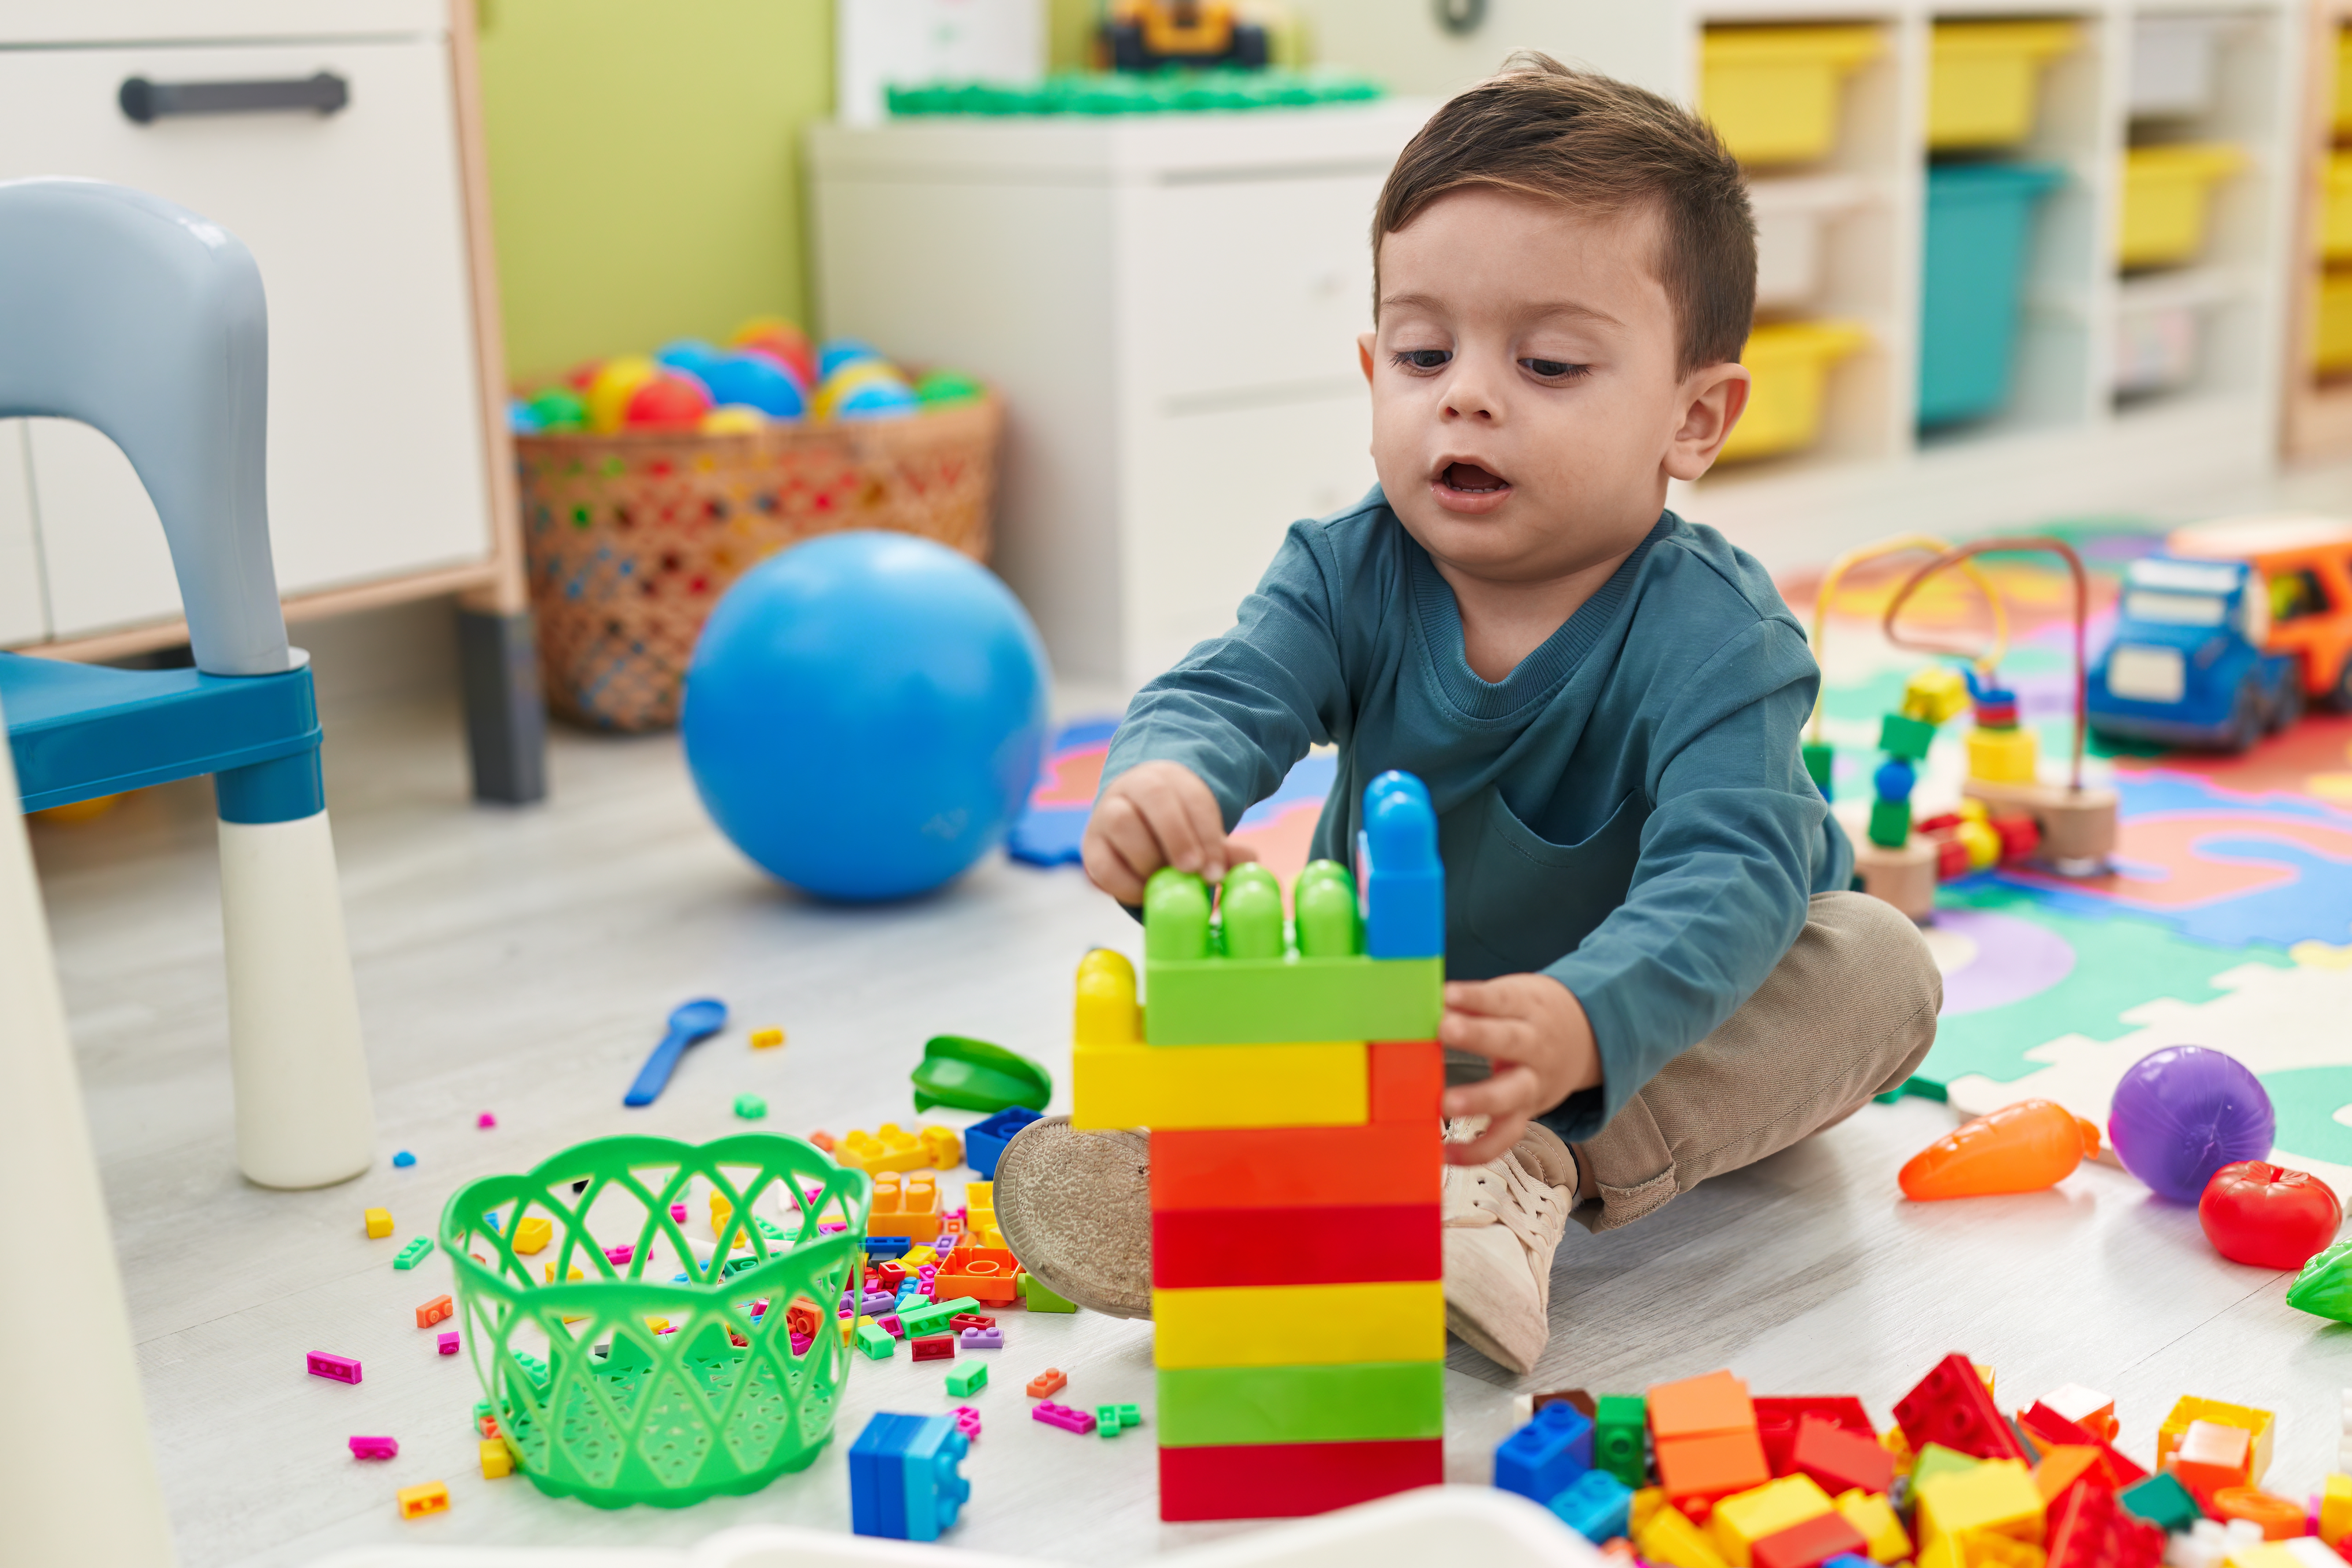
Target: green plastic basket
{"x":596,"y":1404}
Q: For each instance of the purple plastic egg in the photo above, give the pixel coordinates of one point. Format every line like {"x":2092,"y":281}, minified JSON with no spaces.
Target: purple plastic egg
{"x":2182,"y":1113}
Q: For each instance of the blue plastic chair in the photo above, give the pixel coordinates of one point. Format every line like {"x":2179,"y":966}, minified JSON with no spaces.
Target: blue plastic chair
{"x":146,"y":322}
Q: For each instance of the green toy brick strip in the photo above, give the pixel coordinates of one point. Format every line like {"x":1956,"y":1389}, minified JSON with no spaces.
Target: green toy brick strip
{"x":1280,"y":1001}
{"x":1202,"y":1407}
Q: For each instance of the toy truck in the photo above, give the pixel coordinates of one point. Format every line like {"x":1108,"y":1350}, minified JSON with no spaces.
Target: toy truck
{"x":2194,"y":661}
{"x":1144,"y":34}
{"x":2306,"y":564}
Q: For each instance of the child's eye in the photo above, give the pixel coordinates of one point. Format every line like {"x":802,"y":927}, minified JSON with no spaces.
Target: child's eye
{"x":1422,"y":359}
{"x":1554,"y":369}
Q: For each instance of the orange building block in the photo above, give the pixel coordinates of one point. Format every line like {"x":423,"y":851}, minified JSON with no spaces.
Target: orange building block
{"x":1697,"y":1406}
{"x":2210,"y":1457}
{"x":415,"y":1503}
{"x":433,"y":1311}
{"x":1696,"y":1470}
{"x":1408,"y":1080}
{"x":2062,"y":1465}
{"x":987,"y":1274}
{"x":2281,"y":1518}
{"x":907,"y":1206}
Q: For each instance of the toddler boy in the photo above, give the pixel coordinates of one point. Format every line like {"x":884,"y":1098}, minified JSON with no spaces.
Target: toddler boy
{"x":1648,"y":935}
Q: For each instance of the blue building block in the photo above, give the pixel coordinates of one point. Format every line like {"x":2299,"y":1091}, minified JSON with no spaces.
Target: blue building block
{"x":1596,"y":1505}
{"x":1847,"y":1560}
{"x":903,"y":1484}
{"x":889,"y":1246}
{"x":1540,"y":1459}
{"x":985,"y":1140}
{"x":1402,"y":881}
{"x":404,"y":1160}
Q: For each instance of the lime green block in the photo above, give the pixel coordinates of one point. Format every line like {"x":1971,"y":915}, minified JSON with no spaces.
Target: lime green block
{"x":1203,"y":1407}
{"x":1038,"y":1298}
{"x":1283,"y":1001}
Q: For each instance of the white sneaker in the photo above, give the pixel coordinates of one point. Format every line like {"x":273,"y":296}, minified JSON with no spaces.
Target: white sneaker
{"x":1503,"y":1225}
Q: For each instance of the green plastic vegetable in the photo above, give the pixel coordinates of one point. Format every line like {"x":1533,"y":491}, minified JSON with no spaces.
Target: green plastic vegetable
{"x":972,"y":1075}
{"x":2324,"y":1286}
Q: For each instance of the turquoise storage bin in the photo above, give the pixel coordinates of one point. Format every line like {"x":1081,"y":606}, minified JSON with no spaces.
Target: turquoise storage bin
{"x":1979,"y":222}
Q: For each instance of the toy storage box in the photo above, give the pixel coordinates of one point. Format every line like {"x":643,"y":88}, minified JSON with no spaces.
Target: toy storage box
{"x":1980,"y":225}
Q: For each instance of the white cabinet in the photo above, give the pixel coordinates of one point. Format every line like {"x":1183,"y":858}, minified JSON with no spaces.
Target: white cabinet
{"x":1170,"y":305}
{"x":377,"y":453}
{"x":24,"y":616}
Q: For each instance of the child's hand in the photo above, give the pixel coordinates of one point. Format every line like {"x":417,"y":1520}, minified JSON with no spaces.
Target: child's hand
{"x":1534,"y":1031}
{"x":1155,"y":814}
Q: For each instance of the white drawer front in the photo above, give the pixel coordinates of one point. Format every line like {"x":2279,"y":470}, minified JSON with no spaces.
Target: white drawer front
{"x":24,"y":619}
{"x":1209,"y":500}
{"x":375,"y":443}
{"x":102,"y":544}
{"x":1236,"y":285}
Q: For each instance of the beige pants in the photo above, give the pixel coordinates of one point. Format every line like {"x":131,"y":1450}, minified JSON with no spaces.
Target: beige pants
{"x":1850,"y":1013}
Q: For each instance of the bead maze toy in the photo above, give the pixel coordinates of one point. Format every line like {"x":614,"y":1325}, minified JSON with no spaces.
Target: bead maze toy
{"x":1300,"y":1369}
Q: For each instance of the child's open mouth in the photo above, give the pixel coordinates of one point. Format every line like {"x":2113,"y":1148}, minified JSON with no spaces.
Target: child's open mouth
{"x":1465,"y":486}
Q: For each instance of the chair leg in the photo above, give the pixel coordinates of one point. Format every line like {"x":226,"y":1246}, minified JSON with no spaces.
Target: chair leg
{"x":303,"y":1114}
{"x":506,"y":716}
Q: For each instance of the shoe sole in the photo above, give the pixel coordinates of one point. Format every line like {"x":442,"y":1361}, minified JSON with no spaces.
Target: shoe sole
{"x":1075,"y":1210}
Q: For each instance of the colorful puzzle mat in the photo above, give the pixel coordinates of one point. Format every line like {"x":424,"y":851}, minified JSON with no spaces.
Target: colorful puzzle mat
{"x":2223,"y":923}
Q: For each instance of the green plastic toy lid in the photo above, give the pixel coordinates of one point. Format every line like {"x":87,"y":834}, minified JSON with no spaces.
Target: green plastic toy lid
{"x":972,"y":1075}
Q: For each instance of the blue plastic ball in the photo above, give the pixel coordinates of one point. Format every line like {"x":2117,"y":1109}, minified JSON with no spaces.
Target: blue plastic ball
{"x":876,"y":400}
{"x":756,"y":380}
{"x":864,"y":714}
{"x":841,"y":352}
{"x":691,"y":355}
{"x":1895,"y":779}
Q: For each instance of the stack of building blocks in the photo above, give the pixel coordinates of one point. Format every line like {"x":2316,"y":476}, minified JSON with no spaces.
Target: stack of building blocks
{"x":903,"y":1480}
{"x":1290,"y":1076}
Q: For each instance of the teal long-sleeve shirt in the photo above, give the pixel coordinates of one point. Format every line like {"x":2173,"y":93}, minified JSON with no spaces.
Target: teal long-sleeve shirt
{"x":1627,"y":811}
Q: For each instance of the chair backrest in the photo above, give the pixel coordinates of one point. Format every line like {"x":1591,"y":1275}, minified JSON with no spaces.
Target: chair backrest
{"x":146,"y":322}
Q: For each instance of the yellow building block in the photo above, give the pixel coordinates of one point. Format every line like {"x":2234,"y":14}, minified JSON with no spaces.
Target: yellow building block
{"x":2001,"y":756}
{"x":1873,"y":1518}
{"x":1298,"y":1325}
{"x":889,"y":1147}
{"x":1745,"y":1517}
{"x":1646,"y":1502}
{"x":1106,"y":1014}
{"x":531,"y":1235}
{"x":2188,"y":1408}
{"x":2262,"y":1554}
{"x":658,"y":1325}
{"x":548,"y":1269}
{"x":379,"y":1223}
{"x":766,"y":1039}
{"x":1670,"y":1539}
{"x":2335,"y":1509}
{"x":1997,"y":1496}
{"x":415,"y":1503}
{"x":944,"y":1148}
{"x":1895,"y":1443}
{"x":721,"y":1208}
{"x":1944,"y":1551}
{"x":495,"y":1461}
{"x":1173,"y":1087}
{"x":1982,"y":1549}
{"x":916,"y":1256}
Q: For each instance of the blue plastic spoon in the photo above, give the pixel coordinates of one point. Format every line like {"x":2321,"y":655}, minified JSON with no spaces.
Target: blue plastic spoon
{"x":688,"y":1022}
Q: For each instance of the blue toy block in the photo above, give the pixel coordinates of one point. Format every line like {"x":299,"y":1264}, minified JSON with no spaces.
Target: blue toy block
{"x":934,"y":1493}
{"x":985,"y":1140}
{"x":1540,"y":1459}
{"x":878,"y":1486}
{"x":1402,"y":881}
{"x":880,"y":1247}
{"x":1596,"y":1505}
{"x":1847,"y":1560}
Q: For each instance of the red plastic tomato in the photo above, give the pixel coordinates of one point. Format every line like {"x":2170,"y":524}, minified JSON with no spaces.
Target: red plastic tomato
{"x":2258,"y":1213}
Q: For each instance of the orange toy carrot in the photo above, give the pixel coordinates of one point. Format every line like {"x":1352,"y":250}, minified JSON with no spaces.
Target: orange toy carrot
{"x":2020,"y":1148}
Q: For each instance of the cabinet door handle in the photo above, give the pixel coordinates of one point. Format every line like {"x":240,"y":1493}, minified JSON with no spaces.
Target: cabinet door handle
{"x":148,"y":101}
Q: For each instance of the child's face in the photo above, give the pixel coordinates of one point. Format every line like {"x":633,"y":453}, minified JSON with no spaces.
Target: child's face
{"x":1527,"y":411}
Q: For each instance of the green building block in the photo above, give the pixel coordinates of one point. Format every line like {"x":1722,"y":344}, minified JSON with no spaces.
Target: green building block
{"x":2161,"y":1501}
{"x":1890,"y":823}
{"x":1039,"y":1299}
{"x":1935,"y":1459}
{"x":967,"y":1379}
{"x":751,"y":1107}
{"x":1618,"y":1420}
{"x":1128,"y":1415}
{"x":1905,"y":737}
{"x":414,"y":1253}
{"x":876,"y":1342}
{"x":1820,"y":758}
{"x":1281,"y":1001}
{"x":933,"y":1319}
{"x":1203,"y":1407}
{"x":1107,"y":1421}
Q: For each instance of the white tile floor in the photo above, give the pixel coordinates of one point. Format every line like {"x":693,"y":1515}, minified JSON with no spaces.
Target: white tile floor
{"x":522,"y":962}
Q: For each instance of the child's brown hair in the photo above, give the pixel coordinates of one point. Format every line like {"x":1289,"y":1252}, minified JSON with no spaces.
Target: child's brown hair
{"x":1542,"y":129}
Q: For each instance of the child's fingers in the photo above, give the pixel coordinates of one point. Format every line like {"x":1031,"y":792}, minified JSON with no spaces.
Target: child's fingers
{"x":1487,"y":1037}
{"x":1490,"y":996}
{"x":1238,"y":853}
{"x":1501,"y":1132}
{"x":1176,"y":822}
{"x":1118,"y":846}
{"x":1513,"y":1092}
{"x":1106,"y":869}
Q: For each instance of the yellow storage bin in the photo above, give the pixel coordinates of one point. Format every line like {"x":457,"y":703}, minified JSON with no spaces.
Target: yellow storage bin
{"x":1773,"y":93}
{"x":1983,"y":79}
{"x":2331,"y":324}
{"x":2167,"y":197}
{"x":2344,"y":79}
{"x":2336,"y":209}
{"x":1789,"y":363}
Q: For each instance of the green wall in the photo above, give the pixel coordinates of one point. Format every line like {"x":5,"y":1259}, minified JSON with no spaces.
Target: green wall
{"x":645,"y":167}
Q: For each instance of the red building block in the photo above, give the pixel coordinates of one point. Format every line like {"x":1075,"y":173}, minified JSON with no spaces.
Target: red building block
{"x":1695,"y":1471}
{"x":934,"y":1347}
{"x":1296,"y":1167}
{"x":1952,"y":1406}
{"x":2045,"y":1428}
{"x":1284,"y":1481}
{"x":1838,"y":1459}
{"x":2078,"y":1528}
{"x":1407,"y":1079}
{"x":1296,"y":1247}
{"x":1777,"y":1417}
{"x":1805,"y":1545}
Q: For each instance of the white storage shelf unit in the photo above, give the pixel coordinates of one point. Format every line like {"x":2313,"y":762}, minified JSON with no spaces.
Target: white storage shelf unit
{"x":2065,"y":441}
{"x":1170,"y":304}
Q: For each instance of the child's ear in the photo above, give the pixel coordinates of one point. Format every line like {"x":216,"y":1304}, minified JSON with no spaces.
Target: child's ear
{"x":1712,"y":400}
{"x":1364,"y":355}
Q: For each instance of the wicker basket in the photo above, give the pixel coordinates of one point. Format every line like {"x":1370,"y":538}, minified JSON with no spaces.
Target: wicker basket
{"x":632,"y":537}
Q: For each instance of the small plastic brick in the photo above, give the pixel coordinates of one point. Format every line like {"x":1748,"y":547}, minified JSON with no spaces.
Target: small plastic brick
{"x":1595,"y":1505}
{"x":1106,"y":1422}
{"x":876,"y":1342}
{"x":963,"y":1321}
{"x":414,"y":1253}
{"x":1839,"y":1459}
{"x":1698,"y":1406}
{"x":1740,"y":1521}
{"x":985,"y":1140}
{"x":2278,"y":1517}
{"x":678,"y":1212}
{"x":766,"y":1039}
{"x":1540,"y":1459}
{"x":1131,"y":1415}
{"x":980,"y":1339}
{"x":449,"y":1342}
{"x":1039,"y":1299}
{"x":1952,"y":1406}
{"x":967,"y":1422}
{"x":1696,"y":1470}
{"x":1873,"y":1518}
{"x":1669,"y":1538}
{"x":1049,"y":1382}
{"x":375,"y":1447}
{"x":495,"y":1461}
{"x":890,"y":1148}
{"x":531,"y":1234}
{"x":379,"y":1223}
{"x":433,"y":1311}
{"x":822,"y":1140}
{"x":751,"y":1107}
{"x":485,"y":1120}
{"x":934,"y":1347}
{"x":340,"y":1368}
{"x":966,"y":1381}
{"x":1808,"y":1544}
{"x":415,"y":1503}
{"x":1062,"y":1415}
{"x":401,"y":1161}
{"x":2163,"y":1501}
{"x":2335,"y":1508}
{"x":1617,"y":1422}
{"x":943,"y":1148}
